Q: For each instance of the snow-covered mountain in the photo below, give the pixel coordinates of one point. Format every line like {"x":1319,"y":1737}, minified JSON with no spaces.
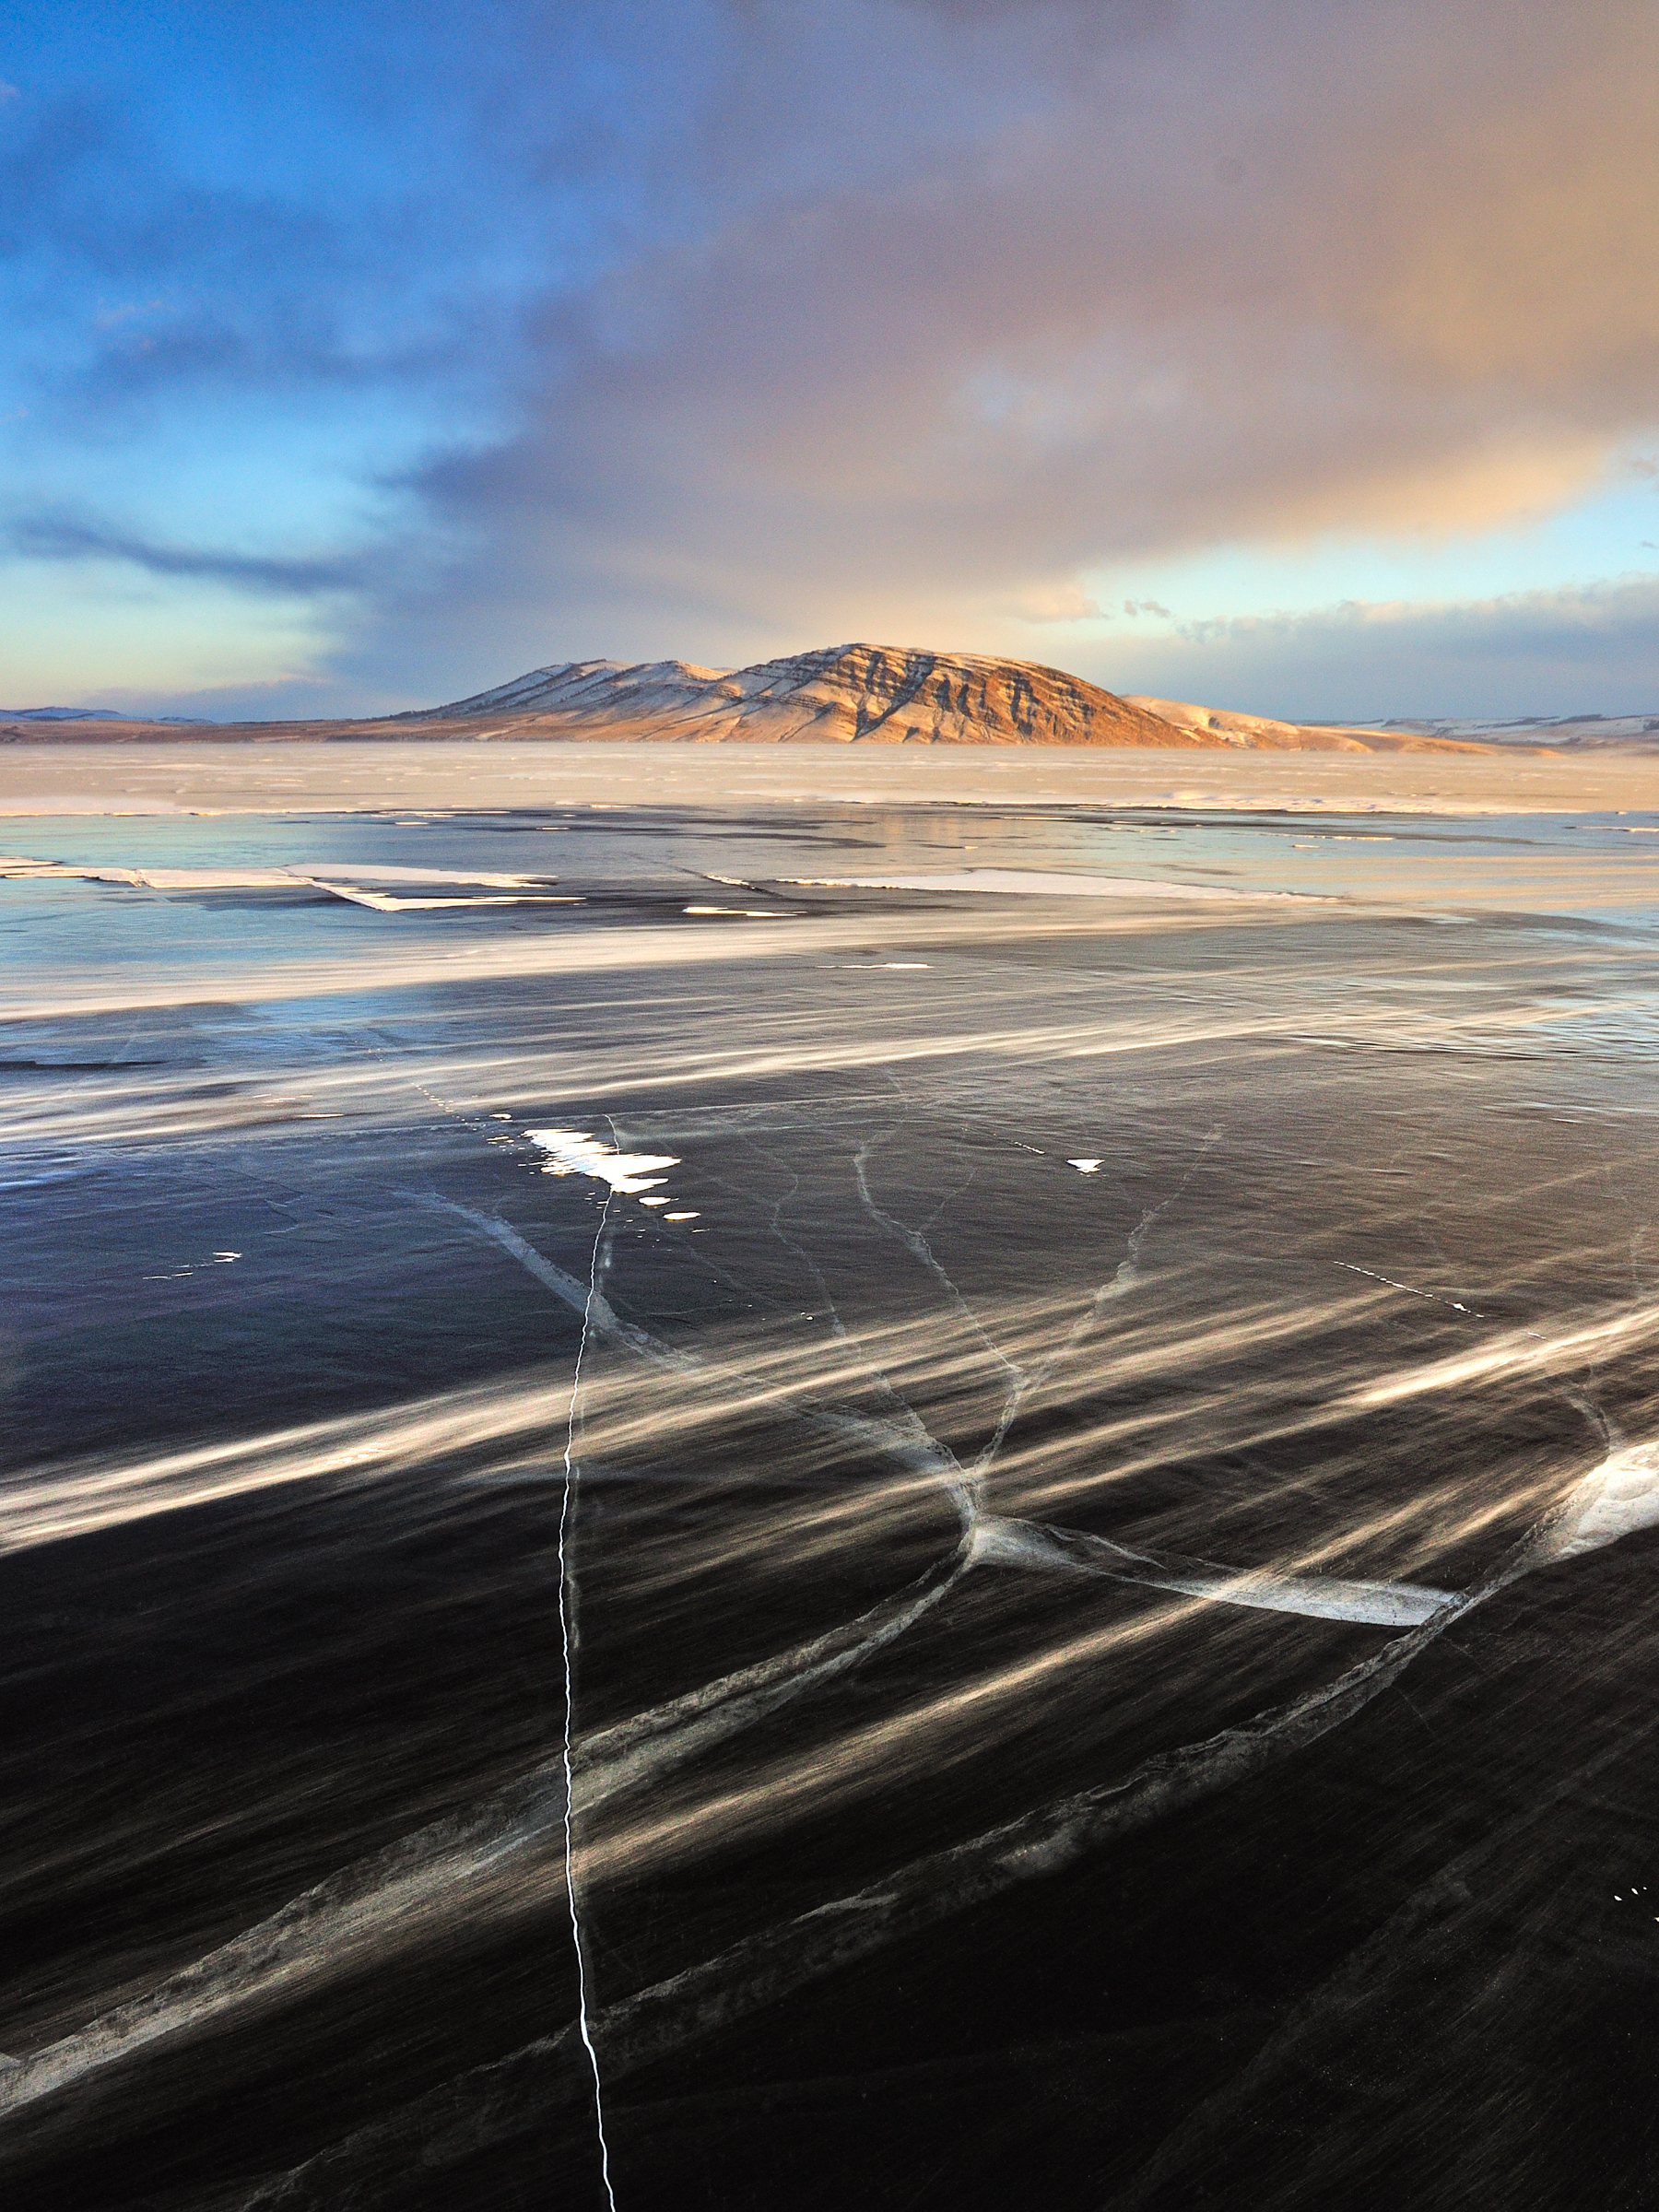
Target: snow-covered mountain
{"x":94,"y":714}
{"x":60,"y":714}
{"x":1260,"y":732}
{"x":886,"y":695}
{"x":842,"y":694}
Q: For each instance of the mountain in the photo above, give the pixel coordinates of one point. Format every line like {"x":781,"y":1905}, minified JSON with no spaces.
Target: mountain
{"x":1261,"y":734}
{"x":60,"y":714}
{"x":841,"y":695}
{"x":861,"y":694}
{"x":886,"y":695}
{"x":95,"y":715}
{"x":1559,"y":732}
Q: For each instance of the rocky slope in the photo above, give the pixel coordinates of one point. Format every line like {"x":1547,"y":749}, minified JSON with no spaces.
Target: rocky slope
{"x":883,"y":695}
{"x":841,"y":695}
{"x":1261,"y":734}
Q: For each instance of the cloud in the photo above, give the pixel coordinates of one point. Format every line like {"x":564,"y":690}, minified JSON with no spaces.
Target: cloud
{"x":294,"y":698}
{"x":718,"y":329}
{"x":1178,"y":278}
{"x":8,"y":92}
{"x":112,"y":317}
{"x":242,"y":287}
{"x":1575,"y":650}
{"x":1054,"y":603}
{"x":63,"y":537}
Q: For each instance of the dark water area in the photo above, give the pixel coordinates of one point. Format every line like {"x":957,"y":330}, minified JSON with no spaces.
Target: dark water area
{"x":682,"y":1522}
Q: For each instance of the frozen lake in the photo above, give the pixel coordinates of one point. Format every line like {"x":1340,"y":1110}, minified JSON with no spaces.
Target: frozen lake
{"x":1059,"y":1355}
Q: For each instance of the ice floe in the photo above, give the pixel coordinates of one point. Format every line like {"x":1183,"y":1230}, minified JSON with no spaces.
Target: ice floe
{"x":385,"y":888}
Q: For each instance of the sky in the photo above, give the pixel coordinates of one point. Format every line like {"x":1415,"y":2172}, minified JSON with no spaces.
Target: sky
{"x":1294,"y":356}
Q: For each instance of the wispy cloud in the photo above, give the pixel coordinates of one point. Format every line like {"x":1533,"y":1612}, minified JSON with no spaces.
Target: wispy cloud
{"x":109,"y":317}
{"x":1525,"y":653}
{"x":63,"y":537}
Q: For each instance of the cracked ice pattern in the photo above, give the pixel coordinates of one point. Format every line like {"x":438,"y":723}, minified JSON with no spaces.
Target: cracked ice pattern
{"x":1125,"y":1480}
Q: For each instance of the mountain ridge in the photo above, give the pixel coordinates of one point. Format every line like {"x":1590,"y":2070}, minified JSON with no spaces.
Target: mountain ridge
{"x":90,"y":714}
{"x":855,"y":693}
{"x":862,"y":693}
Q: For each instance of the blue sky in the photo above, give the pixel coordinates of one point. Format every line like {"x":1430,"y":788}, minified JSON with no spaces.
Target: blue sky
{"x":1301,"y":358}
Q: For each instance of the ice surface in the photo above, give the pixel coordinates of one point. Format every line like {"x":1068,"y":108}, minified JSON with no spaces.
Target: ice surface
{"x":1144,"y":1622}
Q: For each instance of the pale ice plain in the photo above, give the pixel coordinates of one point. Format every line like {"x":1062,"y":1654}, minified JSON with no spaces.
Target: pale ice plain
{"x":1064,"y":1372}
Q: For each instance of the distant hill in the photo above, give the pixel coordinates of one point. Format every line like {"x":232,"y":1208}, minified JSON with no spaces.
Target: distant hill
{"x":1566,"y":732}
{"x":60,"y":714}
{"x":1261,"y":734}
{"x":841,"y":695}
{"x":881,"y":695}
{"x":1559,"y":732}
{"x":856,"y":694}
{"x":95,"y":714}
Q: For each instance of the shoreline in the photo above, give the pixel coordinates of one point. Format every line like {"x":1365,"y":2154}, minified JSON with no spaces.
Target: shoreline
{"x":191,"y":774}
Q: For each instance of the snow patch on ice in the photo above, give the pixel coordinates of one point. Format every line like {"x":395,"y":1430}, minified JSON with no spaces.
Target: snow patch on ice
{"x":1614,"y":1500}
{"x":575,"y":1152}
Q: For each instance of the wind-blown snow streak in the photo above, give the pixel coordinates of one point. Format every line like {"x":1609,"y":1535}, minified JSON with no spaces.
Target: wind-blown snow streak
{"x":102,"y":1491}
{"x":388,"y":1896}
{"x":393,"y":1895}
{"x":592,"y":1306}
{"x":775,"y":1961}
{"x":498,"y":2102}
{"x":383,"y":966}
{"x":473,"y":1856}
{"x":1614,"y":1499}
{"x":1422,"y":1919}
{"x":772,"y":1963}
{"x":1318,"y":1597}
{"x":820,"y":1383}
